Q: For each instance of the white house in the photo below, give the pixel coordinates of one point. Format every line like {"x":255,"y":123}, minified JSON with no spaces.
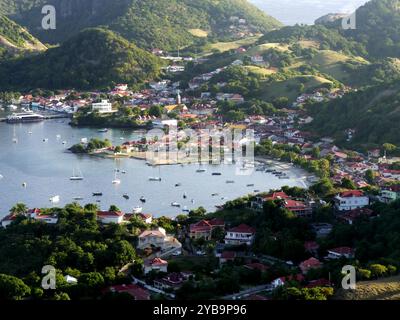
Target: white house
{"x":350,"y":200}
{"x":102,"y":107}
{"x":162,"y":123}
{"x":341,"y":252}
{"x":7,"y":220}
{"x":158,"y":238}
{"x":107,"y":217}
{"x":156,"y":264}
{"x":257,"y":59}
{"x":242,"y":234}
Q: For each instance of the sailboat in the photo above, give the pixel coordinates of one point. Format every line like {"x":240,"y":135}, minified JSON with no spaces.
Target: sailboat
{"x":116,"y":180}
{"x":156,"y":178}
{"x":55,"y":199}
{"x":75,"y":177}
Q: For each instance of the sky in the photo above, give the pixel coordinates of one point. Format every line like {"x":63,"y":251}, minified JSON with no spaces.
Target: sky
{"x":291,"y":12}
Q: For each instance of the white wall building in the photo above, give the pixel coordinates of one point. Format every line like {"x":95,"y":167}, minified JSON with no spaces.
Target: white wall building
{"x":102,"y":107}
{"x":351,"y":200}
{"x":242,"y":234}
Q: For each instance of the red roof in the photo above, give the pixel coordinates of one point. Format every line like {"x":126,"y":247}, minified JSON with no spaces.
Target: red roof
{"x":352,"y":193}
{"x":10,"y":217}
{"x":310,"y":263}
{"x":156,"y":262}
{"x":243,"y":228}
{"x":277,"y":196}
{"x":134,"y":290}
{"x":206,"y":225}
{"x":110,"y":214}
{"x":294,"y":204}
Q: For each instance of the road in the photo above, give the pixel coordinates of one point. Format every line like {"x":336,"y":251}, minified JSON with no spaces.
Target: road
{"x":247,"y":292}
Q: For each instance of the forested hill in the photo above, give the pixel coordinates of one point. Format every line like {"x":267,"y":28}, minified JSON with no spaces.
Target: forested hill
{"x":94,"y":58}
{"x":16,"y":40}
{"x":374,"y":114}
{"x":167,"y":24}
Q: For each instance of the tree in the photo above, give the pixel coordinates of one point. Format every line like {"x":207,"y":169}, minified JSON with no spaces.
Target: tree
{"x":114,"y":208}
{"x":348,"y":184}
{"x":117,"y":149}
{"x":12,"y":288}
{"x":378,"y":270}
{"x":19,"y":208}
{"x":388,"y":148}
{"x":364,"y":274}
{"x":370,"y":176}
{"x":155,"y":111}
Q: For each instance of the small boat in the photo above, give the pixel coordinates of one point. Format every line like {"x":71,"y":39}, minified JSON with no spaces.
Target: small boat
{"x":123,"y":172}
{"x":45,"y":140}
{"x":126,"y":196}
{"x":215,"y":194}
{"x":201,"y":170}
{"x":250,"y":185}
{"x":178,"y":184}
{"x":155,"y":179}
{"x":15,"y":140}
{"x":97,"y":194}
{"x":103,"y":130}
{"x":137,"y":209}
{"x":55,"y":199}
{"x":78,"y":198}
{"x":185,"y":209}
{"x":256,"y":191}
{"x":64,"y":142}
{"x":24,"y":185}
{"x":116,"y":181}
{"x":58,"y":136}
{"x":230,"y":181}
{"x":30,"y":132}
{"x":75,"y":177}
{"x":1,"y":177}
{"x":143,"y":199}
{"x":217,"y":174}
{"x":175,"y":204}
{"x":184,"y":195}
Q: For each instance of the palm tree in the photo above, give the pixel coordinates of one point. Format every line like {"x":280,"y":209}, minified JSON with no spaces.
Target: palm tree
{"x":19,"y":208}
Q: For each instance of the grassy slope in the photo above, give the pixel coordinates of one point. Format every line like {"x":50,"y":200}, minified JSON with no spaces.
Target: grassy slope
{"x":383,"y":289}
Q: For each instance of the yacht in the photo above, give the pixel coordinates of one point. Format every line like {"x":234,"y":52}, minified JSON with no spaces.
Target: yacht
{"x":201,"y":170}
{"x":55,"y":199}
{"x":175,"y":204}
{"x":217,"y":174}
{"x":76,"y":177}
{"x":97,"y":194}
{"x":116,"y":181}
{"x":155,"y":179}
{"x":78,"y":198}
{"x":230,"y":181}
{"x":143,"y":199}
{"x":126,"y":196}
{"x":103,"y":130}
{"x":137,"y":210}
{"x":24,"y":117}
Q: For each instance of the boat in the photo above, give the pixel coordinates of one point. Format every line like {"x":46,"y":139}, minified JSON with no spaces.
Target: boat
{"x":143,"y":199}
{"x":217,"y":174}
{"x":58,"y":136}
{"x":55,"y":199}
{"x":215,"y":194}
{"x":230,"y":181}
{"x":184,"y":195}
{"x":137,"y":210}
{"x":24,"y":185}
{"x":30,"y":132}
{"x":97,"y":194}
{"x":201,"y":170}
{"x":250,"y":185}
{"x":123,"y":172}
{"x":64,"y":142}
{"x":185,"y":209}
{"x":116,"y":181}
{"x":155,"y":179}
{"x":178,"y":184}
{"x":1,"y":176}
{"x":175,"y":204}
{"x":24,"y":117}
{"x":45,"y":140}
{"x":103,"y":130}
{"x":75,"y":177}
{"x":78,"y":198}
{"x":126,"y":196}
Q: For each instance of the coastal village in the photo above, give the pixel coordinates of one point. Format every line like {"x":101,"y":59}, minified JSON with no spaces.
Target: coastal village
{"x":172,"y":258}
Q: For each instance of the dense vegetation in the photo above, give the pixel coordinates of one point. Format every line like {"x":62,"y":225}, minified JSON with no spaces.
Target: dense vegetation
{"x":95,"y":58}
{"x":373,"y":113}
{"x":151,"y":23}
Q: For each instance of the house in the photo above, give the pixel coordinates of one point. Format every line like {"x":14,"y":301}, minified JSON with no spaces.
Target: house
{"x":353,"y":215}
{"x":204,"y":228}
{"x":227,"y":256}
{"x":102,"y":107}
{"x":239,"y":235}
{"x":259,"y":201}
{"x":172,"y":281}
{"x":322,"y":229}
{"x":298,"y":207}
{"x":158,"y":239}
{"x":257,"y":59}
{"x":138,"y":293}
{"x":281,"y":281}
{"x":309,"y":264}
{"x":36,"y":215}
{"x":350,"y":200}
{"x":7,"y":220}
{"x":341,"y":252}
{"x":107,"y":217}
{"x":390,"y":193}
{"x":145,"y":217}
{"x":156,"y":264}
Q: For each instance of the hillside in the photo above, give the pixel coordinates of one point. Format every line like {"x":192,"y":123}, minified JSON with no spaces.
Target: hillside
{"x":94,"y":58}
{"x":374,"y":114}
{"x":15,"y":40}
{"x":167,"y":24}
{"x":383,"y":289}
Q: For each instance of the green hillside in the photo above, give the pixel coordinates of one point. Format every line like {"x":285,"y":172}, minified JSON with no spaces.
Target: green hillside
{"x":167,"y":24}
{"x":15,"y":40}
{"x":94,"y":58}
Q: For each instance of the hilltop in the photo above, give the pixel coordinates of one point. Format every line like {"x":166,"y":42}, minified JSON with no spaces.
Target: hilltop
{"x":94,"y":58}
{"x":15,"y":40}
{"x":165,"y":24}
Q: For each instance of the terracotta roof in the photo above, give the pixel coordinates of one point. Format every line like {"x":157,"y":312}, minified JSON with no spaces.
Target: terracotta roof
{"x":154,"y":233}
{"x":243,"y":228}
{"x":277,"y":196}
{"x":110,"y":214}
{"x":156,"y":262}
{"x":352,"y":193}
{"x":134,"y":290}
{"x":310,"y":263}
